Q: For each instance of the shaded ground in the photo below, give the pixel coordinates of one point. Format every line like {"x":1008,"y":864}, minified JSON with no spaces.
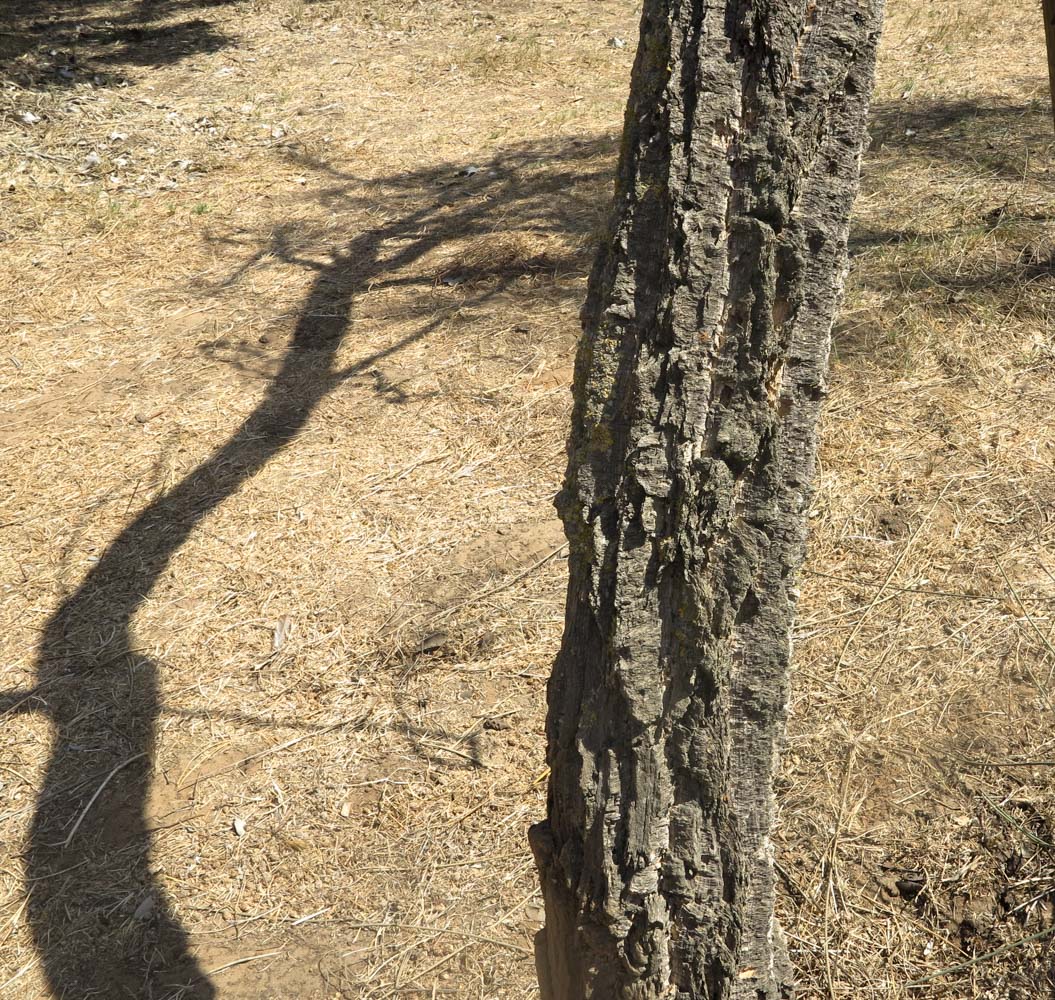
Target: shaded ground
{"x":287,"y":331}
{"x":56,"y":44}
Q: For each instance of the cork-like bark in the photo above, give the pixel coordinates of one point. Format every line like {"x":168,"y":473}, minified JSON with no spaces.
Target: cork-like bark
{"x":697,"y":389}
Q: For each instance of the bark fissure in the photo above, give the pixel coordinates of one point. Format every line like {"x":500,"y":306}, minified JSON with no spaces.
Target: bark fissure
{"x":697,"y":387}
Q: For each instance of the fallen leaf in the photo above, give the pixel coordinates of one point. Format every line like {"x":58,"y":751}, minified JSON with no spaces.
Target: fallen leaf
{"x":283,"y":630}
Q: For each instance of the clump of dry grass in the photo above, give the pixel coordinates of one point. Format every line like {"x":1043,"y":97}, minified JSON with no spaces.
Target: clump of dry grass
{"x":506,"y":254}
{"x":503,"y":57}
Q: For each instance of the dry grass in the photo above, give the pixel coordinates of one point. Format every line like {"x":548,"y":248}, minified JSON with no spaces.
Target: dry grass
{"x":290,"y":298}
{"x":915,"y":834}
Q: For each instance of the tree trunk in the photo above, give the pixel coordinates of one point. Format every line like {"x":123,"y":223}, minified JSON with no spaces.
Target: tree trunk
{"x":697,"y":389}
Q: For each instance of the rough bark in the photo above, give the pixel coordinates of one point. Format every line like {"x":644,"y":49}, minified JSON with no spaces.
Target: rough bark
{"x":697,"y":389}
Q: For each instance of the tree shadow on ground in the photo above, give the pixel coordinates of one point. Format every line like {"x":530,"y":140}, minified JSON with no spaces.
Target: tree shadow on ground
{"x":100,"y":919}
{"x":988,"y":138}
{"x":1001,"y":259}
{"x":53,"y":43}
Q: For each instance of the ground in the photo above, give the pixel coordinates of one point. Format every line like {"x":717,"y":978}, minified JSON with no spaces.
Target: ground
{"x":288,"y":309}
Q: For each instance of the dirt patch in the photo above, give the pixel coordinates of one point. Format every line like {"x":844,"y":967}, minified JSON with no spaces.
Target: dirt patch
{"x":508,"y":548}
{"x":478,"y":564}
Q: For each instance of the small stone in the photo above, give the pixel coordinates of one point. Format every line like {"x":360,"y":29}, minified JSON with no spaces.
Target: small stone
{"x":909,"y":888}
{"x":431,"y":642}
{"x":146,"y":908}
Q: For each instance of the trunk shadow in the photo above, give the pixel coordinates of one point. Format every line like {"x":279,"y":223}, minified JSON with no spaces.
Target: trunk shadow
{"x":101,"y":921}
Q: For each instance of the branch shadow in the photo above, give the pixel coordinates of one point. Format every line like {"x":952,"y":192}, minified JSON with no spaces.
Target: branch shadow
{"x":100,"y":919}
{"x":999,"y":260}
{"x":990,"y":138}
{"x":53,"y":43}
